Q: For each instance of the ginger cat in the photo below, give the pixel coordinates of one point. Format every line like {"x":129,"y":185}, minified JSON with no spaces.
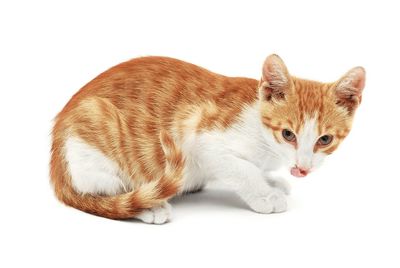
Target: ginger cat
{"x":154,"y":127}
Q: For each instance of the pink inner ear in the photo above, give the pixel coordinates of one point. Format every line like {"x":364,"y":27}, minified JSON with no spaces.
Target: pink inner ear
{"x":358,"y":82}
{"x":266,"y":72}
{"x":274,"y":70}
{"x":267,"y":93}
{"x":349,"y":89}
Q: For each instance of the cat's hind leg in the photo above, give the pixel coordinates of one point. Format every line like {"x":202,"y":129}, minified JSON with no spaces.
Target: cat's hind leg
{"x":98,"y":187}
{"x":91,"y":171}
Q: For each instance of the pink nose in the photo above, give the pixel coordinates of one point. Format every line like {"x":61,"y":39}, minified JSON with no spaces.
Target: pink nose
{"x":299,"y":172}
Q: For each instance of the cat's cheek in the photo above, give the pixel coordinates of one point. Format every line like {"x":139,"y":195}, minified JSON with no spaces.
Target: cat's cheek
{"x":318,"y":159}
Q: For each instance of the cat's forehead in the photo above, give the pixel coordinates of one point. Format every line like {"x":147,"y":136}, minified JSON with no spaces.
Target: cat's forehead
{"x":311,"y":97}
{"x":310,"y":100}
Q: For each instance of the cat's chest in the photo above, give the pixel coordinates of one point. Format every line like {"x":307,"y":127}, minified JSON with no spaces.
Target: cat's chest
{"x":244,"y":140}
{"x":246,"y":145}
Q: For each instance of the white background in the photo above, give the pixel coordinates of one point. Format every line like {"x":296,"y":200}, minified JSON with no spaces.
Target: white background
{"x":344,"y":215}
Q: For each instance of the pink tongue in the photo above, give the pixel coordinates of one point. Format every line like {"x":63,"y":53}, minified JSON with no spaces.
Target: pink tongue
{"x":296,"y":172}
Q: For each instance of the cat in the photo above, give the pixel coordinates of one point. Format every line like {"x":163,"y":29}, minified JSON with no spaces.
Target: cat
{"x":152,"y":128}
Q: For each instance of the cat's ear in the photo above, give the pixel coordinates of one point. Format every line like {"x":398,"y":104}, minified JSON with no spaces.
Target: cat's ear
{"x":275,"y":82}
{"x":348,"y":89}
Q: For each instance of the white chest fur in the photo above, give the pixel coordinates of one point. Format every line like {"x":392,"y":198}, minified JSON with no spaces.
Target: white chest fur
{"x":246,"y":139}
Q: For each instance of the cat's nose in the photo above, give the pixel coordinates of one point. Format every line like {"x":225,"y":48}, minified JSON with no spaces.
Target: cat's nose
{"x":299,"y":171}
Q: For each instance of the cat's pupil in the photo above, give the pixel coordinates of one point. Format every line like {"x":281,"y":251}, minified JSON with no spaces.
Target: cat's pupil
{"x":288,"y":135}
{"x":325,"y":140}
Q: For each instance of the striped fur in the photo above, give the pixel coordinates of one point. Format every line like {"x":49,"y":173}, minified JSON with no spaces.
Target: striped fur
{"x":126,"y":205}
{"x":141,"y":114}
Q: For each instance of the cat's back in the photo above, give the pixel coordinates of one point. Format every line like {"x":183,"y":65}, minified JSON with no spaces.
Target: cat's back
{"x":122,"y":111}
{"x":154,"y":91}
{"x":152,"y":75}
{"x":160,"y":85}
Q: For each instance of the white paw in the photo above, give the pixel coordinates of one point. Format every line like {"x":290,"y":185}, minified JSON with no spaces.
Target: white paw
{"x":156,"y":215}
{"x":275,"y":201}
{"x":280,"y":183}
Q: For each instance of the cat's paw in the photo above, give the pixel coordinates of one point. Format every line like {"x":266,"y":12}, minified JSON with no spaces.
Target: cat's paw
{"x":280,"y":183}
{"x":275,"y":201}
{"x":156,"y":215}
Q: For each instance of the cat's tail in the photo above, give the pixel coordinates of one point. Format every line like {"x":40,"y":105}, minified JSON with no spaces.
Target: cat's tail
{"x":127,"y":205}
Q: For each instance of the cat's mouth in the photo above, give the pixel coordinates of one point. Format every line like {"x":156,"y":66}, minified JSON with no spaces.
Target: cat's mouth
{"x":299,"y":172}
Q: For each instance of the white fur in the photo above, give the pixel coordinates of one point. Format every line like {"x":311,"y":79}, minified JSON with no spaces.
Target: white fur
{"x":157,"y":215}
{"x":306,"y":140}
{"x":244,"y":156}
{"x":91,"y":171}
{"x":237,"y":157}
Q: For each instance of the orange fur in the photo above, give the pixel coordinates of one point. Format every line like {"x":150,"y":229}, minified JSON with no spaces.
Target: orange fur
{"x":309,"y":99}
{"x":123,"y":111}
{"x":332,"y":104}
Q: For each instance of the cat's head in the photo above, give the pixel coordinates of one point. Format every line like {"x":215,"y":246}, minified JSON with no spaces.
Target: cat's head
{"x":307,"y":120}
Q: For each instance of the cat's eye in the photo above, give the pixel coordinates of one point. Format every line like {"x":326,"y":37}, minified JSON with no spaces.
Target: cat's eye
{"x":325,"y":140}
{"x":288,"y":135}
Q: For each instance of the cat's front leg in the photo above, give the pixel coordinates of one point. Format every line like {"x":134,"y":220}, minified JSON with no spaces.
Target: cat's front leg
{"x":247,"y":181}
{"x":273,"y":201}
{"x":270,"y":164}
{"x":278,"y":182}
